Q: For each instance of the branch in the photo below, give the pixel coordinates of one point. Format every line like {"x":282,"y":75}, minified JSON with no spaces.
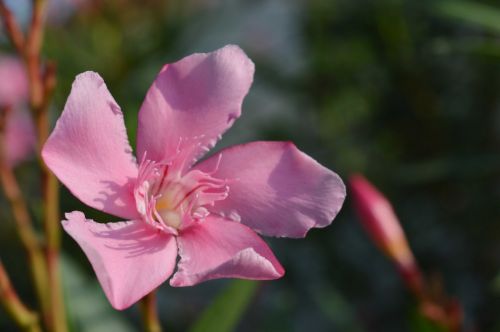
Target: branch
{"x":12,"y":28}
{"x":25,"y":318}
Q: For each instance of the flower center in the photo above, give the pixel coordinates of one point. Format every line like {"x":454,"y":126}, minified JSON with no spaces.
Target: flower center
{"x":168,"y":213}
{"x":170,"y":200}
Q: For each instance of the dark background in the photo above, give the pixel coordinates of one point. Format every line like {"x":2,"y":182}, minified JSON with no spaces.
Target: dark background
{"x":405,"y":92}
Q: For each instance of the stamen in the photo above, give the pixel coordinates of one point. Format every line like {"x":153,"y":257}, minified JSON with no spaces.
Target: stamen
{"x":169,"y":200}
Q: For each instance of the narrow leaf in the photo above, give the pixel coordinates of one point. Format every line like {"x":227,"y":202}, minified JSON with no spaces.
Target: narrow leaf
{"x":227,"y":309}
{"x":483,"y":15}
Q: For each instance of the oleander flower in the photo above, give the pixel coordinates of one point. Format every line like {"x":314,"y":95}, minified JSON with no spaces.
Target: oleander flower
{"x":208,"y":212}
{"x":13,"y":82}
{"x":20,"y":137}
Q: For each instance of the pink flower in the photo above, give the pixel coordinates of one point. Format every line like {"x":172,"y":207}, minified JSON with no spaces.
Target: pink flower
{"x":13,"y":82}
{"x":208,"y":211}
{"x":20,"y":137}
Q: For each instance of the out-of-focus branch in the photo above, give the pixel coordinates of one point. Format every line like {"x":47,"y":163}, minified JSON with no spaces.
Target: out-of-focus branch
{"x":24,"y":318}
{"x":23,"y":220}
{"x":42,"y":80}
{"x":13,"y":29}
{"x":42,"y":84}
{"x":32,"y":55}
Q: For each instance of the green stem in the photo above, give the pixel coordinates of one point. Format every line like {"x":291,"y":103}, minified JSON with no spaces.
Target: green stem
{"x":149,"y":313}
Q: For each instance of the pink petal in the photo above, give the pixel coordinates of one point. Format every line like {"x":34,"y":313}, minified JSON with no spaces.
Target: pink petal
{"x":20,"y":140}
{"x":276,"y":189}
{"x":89,"y":151}
{"x":192,"y":102}
{"x":130,"y":258}
{"x":218,"y":248}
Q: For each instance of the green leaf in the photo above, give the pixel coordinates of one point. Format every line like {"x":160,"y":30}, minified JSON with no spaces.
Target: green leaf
{"x":496,"y":284}
{"x":228,"y":307}
{"x":475,"y":13}
{"x":481,"y":46}
{"x":88,"y":308}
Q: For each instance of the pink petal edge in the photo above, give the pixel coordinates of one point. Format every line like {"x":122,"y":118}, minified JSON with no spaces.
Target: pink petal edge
{"x":192,"y":102}
{"x":129,"y":258}
{"x":276,"y":189}
{"x":89,"y":151}
{"x":218,"y":248}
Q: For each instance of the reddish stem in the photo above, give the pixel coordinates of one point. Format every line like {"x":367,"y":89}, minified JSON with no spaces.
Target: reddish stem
{"x":42,"y":83}
{"x":24,"y":318}
{"x":13,"y":29}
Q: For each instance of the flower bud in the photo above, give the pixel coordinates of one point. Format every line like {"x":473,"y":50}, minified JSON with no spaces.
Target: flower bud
{"x":380,"y":221}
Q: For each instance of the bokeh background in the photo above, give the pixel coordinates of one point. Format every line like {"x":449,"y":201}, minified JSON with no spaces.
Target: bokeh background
{"x":406,"y":92}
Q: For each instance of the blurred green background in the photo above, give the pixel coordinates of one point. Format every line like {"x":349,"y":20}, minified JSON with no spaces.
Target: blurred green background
{"x":405,"y":92}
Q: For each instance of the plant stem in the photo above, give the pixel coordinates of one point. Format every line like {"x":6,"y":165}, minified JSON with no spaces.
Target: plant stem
{"x":13,"y":29}
{"x":149,"y":313}
{"x":26,"y":233}
{"x":41,"y":88}
{"x":32,"y":54}
{"x":23,"y":220}
{"x":25,"y":318}
{"x":50,"y":197}
{"x":42,"y":84}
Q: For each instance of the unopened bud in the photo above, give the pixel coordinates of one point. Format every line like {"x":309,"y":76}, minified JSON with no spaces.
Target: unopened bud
{"x":381,"y":223}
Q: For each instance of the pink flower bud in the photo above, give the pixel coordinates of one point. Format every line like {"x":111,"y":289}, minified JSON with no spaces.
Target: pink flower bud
{"x":381,"y":223}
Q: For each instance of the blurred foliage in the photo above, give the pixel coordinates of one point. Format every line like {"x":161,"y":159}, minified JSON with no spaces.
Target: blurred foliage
{"x":89,"y":310}
{"x":406,"y":92}
{"x":479,"y":14}
{"x":420,"y":324}
{"x":228,"y":308}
